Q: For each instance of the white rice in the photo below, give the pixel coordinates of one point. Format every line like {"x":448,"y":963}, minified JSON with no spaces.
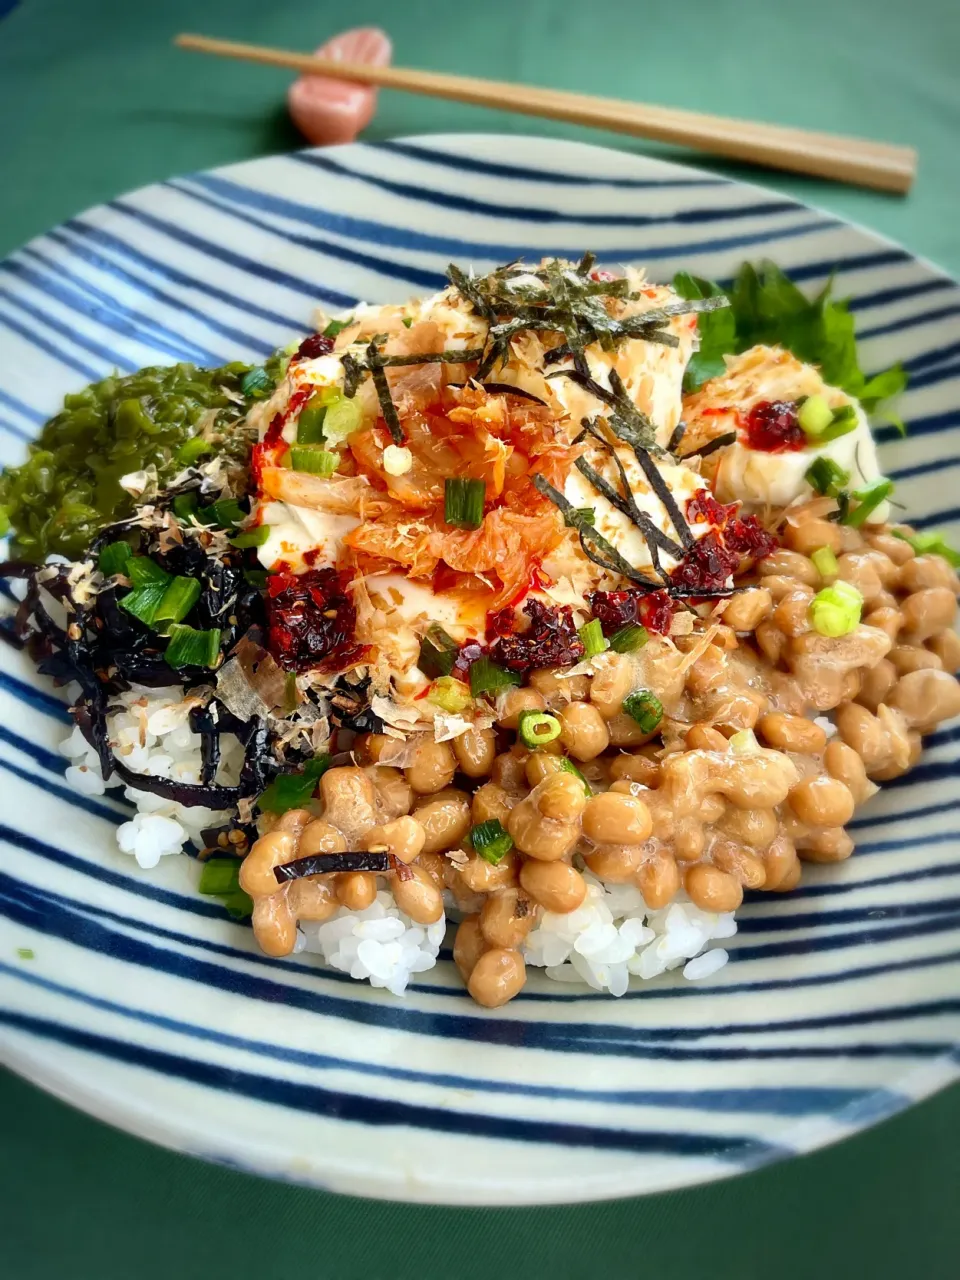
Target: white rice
{"x":614,"y":934}
{"x":150,"y":732}
{"x":380,"y":944}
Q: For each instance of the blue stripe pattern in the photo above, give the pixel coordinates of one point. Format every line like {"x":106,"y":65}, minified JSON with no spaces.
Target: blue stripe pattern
{"x":136,"y":977}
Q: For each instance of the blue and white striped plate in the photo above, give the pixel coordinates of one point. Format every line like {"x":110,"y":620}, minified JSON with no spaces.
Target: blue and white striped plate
{"x":145,"y":1005}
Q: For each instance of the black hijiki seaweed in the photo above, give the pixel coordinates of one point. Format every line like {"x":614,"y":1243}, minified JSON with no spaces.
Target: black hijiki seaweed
{"x":323,"y":863}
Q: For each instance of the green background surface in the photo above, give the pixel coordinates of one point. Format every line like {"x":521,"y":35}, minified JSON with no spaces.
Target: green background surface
{"x":93,"y":102}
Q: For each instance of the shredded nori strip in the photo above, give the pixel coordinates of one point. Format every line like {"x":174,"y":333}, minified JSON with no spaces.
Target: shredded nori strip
{"x":465,"y":356}
{"x":319,"y":864}
{"x":202,"y":721}
{"x":614,"y":561}
{"x":719,"y":442}
{"x":679,"y":431}
{"x":387,"y":407}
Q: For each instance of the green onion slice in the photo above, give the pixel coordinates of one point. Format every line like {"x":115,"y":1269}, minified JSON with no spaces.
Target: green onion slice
{"x":251,"y":537}
{"x":491,"y":841}
{"x":343,"y":417}
{"x":449,"y":695}
{"x":929,"y":544}
{"x":826,"y":477}
{"x":835,"y":611}
{"x":644,"y":707}
{"x":293,"y":790}
{"x":227,"y":513}
{"x":313,"y":458}
{"x":567,"y":766}
{"x":825,"y":562}
{"x":438,"y":652}
{"x":178,"y":599}
{"x":143,"y":572}
{"x":868,"y":499}
{"x":632,"y":636}
{"x":592,"y":638}
{"x":310,"y":422}
{"x":144,"y":602}
{"x":113,"y":558}
{"x":463,"y":502}
{"x":537,"y":727}
{"x":814,"y":416}
{"x":220,"y":878}
{"x":189,"y":647}
{"x":337,"y":326}
{"x":486,"y":676}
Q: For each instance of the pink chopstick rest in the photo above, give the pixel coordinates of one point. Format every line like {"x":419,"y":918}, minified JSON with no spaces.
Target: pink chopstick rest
{"x":328,"y":111}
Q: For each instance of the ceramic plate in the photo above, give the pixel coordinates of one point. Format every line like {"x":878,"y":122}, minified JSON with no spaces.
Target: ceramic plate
{"x":134,"y":998}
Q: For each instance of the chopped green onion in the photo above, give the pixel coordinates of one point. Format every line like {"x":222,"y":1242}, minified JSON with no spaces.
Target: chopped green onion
{"x":255,"y":381}
{"x":929,"y":544}
{"x":313,"y":458}
{"x":4,"y":521}
{"x":487,"y":677}
{"x":256,"y":577}
{"x":537,"y":727}
{"x":844,"y":421}
{"x":250,"y":537}
{"x":644,"y":707}
{"x":293,"y":790}
{"x":193,"y":450}
{"x":449,"y":695}
{"x":814,"y":415}
{"x":463,"y":502}
{"x":835,"y":611}
{"x":143,"y":572}
{"x":189,"y":647}
{"x":407,"y":321}
{"x":438,"y":652}
{"x":220,"y":878}
{"x":185,"y":505}
{"x":826,"y":477}
{"x":220,"y":875}
{"x":26,"y":953}
{"x":592,"y":638}
{"x":491,"y":841}
{"x":337,"y":326}
{"x":144,"y":602}
{"x":632,"y":636}
{"x":227,"y":513}
{"x":113,"y":558}
{"x":825,"y":562}
{"x":310,"y":422}
{"x":868,"y":499}
{"x":567,"y":766}
{"x":343,"y":417}
{"x":178,"y":599}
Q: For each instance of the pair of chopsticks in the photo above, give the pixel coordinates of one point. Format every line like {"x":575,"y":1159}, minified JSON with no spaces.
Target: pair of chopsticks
{"x":852,"y":160}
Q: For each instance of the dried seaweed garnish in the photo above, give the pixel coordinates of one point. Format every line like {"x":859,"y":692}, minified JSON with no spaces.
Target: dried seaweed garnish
{"x":186,"y":793}
{"x":626,"y":504}
{"x":382,"y":387}
{"x":204,"y":723}
{"x":607,"y":556}
{"x":464,"y":355}
{"x":676,"y":435}
{"x":353,"y":372}
{"x":718,"y":442}
{"x":320,"y":864}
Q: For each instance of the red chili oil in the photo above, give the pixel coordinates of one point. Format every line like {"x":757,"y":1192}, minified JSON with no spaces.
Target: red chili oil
{"x":550,"y":640}
{"x":311,"y":620}
{"x":617,"y":609}
{"x":771,"y":426}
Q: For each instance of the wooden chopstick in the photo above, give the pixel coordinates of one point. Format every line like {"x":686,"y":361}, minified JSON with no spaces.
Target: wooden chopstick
{"x":879,"y":165}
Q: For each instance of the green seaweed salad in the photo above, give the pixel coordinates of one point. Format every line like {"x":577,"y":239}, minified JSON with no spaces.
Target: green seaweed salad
{"x":164,"y":417}
{"x":171,"y":417}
